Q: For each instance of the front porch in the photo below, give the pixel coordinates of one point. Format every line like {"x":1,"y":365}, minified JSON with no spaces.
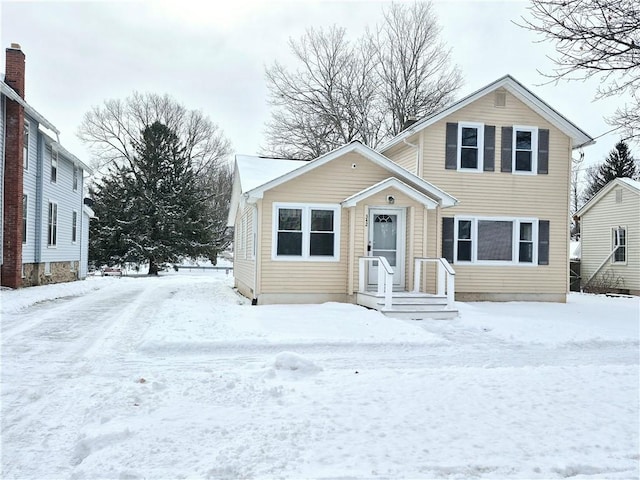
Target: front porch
{"x":417,"y":304}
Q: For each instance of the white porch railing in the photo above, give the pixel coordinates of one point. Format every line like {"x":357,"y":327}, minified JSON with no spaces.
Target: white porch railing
{"x":446,"y":278}
{"x":385,"y":278}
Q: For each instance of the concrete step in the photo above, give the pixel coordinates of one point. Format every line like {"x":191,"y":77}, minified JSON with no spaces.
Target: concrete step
{"x":421,"y":314}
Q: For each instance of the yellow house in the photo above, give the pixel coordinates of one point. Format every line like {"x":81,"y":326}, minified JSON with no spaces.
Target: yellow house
{"x":472,"y":202}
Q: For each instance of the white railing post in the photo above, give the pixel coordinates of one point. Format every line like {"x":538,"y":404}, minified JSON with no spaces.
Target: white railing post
{"x":417,"y":276}
{"x":388,"y":290}
{"x":441,"y":279}
{"x":451,"y":290}
{"x":361,"y":276}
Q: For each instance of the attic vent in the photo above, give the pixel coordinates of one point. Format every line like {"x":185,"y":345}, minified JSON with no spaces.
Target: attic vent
{"x":619,"y":195}
{"x":501,"y":98}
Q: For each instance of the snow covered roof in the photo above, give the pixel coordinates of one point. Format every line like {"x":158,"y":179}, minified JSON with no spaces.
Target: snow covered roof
{"x":632,"y":185}
{"x":579,"y":137}
{"x":256,"y":171}
{"x":252,"y":172}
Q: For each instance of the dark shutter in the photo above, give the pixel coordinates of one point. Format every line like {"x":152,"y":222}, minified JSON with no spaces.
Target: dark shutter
{"x":447,"y":238}
{"x":489,"y":148}
{"x":451,"y":154}
{"x":543,"y":242}
{"x":543,"y":151}
{"x":507,"y":138}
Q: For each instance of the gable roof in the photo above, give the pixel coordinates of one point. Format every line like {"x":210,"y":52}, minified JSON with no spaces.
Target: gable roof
{"x":255,"y":171}
{"x":393,"y":183}
{"x":579,"y":137}
{"x":632,"y":185}
{"x":355,"y":146}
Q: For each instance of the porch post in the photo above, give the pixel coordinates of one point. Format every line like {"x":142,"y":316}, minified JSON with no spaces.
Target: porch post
{"x":352,"y":249}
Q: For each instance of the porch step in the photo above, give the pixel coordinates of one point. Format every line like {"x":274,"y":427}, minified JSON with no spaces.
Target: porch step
{"x":409,"y":305}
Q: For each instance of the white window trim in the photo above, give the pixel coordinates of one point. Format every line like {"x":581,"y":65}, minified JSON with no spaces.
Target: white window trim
{"x":480,"y":128}
{"x":515,"y":244}
{"x":49,"y":244}
{"x":626,"y":244}
{"x":75,"y":179}
{"x":54,"y":154}
{"x":534,"y":149}
{"x":25,"y":216}
{"x":25,"y":160}
{"x":306,"y":232}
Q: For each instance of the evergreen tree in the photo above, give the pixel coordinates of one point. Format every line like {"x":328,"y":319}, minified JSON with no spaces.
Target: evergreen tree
{"x":618,"y":164}
{"x":151,"y":208}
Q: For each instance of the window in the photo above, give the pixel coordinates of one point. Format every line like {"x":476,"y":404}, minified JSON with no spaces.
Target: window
{"x":74,"y":226}
{"x":620,"y":241}
{"x":496,"y":240}
{"x":25,"y":214}
{"x":54,"y":166}
{"x":470,"y":146}
{"x":25,"y":146}
{"x":306,"y":232}
{"x":525,"y":149}
{"x":52,"y":233}
{"x":75,"y":178}
{"x":47,"y":268}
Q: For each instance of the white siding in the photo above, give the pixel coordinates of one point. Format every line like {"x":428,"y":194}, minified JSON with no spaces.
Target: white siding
{"x":30,"y":187}
{"x":68,"y":200}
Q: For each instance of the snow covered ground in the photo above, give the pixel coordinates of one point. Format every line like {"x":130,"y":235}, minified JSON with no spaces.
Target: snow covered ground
{"x":178,"y":377}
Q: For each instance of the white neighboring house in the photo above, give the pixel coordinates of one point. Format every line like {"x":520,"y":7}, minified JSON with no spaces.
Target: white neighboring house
{"x":44,"y":219}
{"x":610,"y":237}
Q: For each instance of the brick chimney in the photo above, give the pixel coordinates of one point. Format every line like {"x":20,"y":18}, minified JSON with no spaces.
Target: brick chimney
{"x":13,"y":171}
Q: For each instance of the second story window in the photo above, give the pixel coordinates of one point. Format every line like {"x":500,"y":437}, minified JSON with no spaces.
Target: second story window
{"x":75,"y":178}
{"x":525,"y":148}
{"x":25,"y":146}
{"x":470,"y":146}
{"x":54,"y":166}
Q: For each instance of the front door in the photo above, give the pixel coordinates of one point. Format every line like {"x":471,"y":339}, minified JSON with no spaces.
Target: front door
{"x":387,"y":239}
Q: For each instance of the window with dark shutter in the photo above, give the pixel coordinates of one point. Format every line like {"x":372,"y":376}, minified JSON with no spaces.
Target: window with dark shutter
{"x":447,"y":238}
{"x":489,"y":148}
{"x":543,"y":242}
{"x":451,"y":153}
{"x":506,"y":158}
{"x":543,"y":151}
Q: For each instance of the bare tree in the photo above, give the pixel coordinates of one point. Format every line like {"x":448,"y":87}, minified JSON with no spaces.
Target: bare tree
{"x":360,"y":90}
{"x":112,"y":130}
{"x":327,"y":102}
{"x":595,"y":38}
{"x":413,"y":65}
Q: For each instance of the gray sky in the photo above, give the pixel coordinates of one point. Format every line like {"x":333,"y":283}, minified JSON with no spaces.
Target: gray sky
{"x":212,"y":56}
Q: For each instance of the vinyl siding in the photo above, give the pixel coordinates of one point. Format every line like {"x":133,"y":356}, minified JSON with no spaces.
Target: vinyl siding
{"x":68,"y":200}
{"x":243,"y":264}
{"x":328,"y":184}
{"x":544,"y":196}
{"x":405,"y":155}
{"x":596,"y":237}
{"x":30,"y":188}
